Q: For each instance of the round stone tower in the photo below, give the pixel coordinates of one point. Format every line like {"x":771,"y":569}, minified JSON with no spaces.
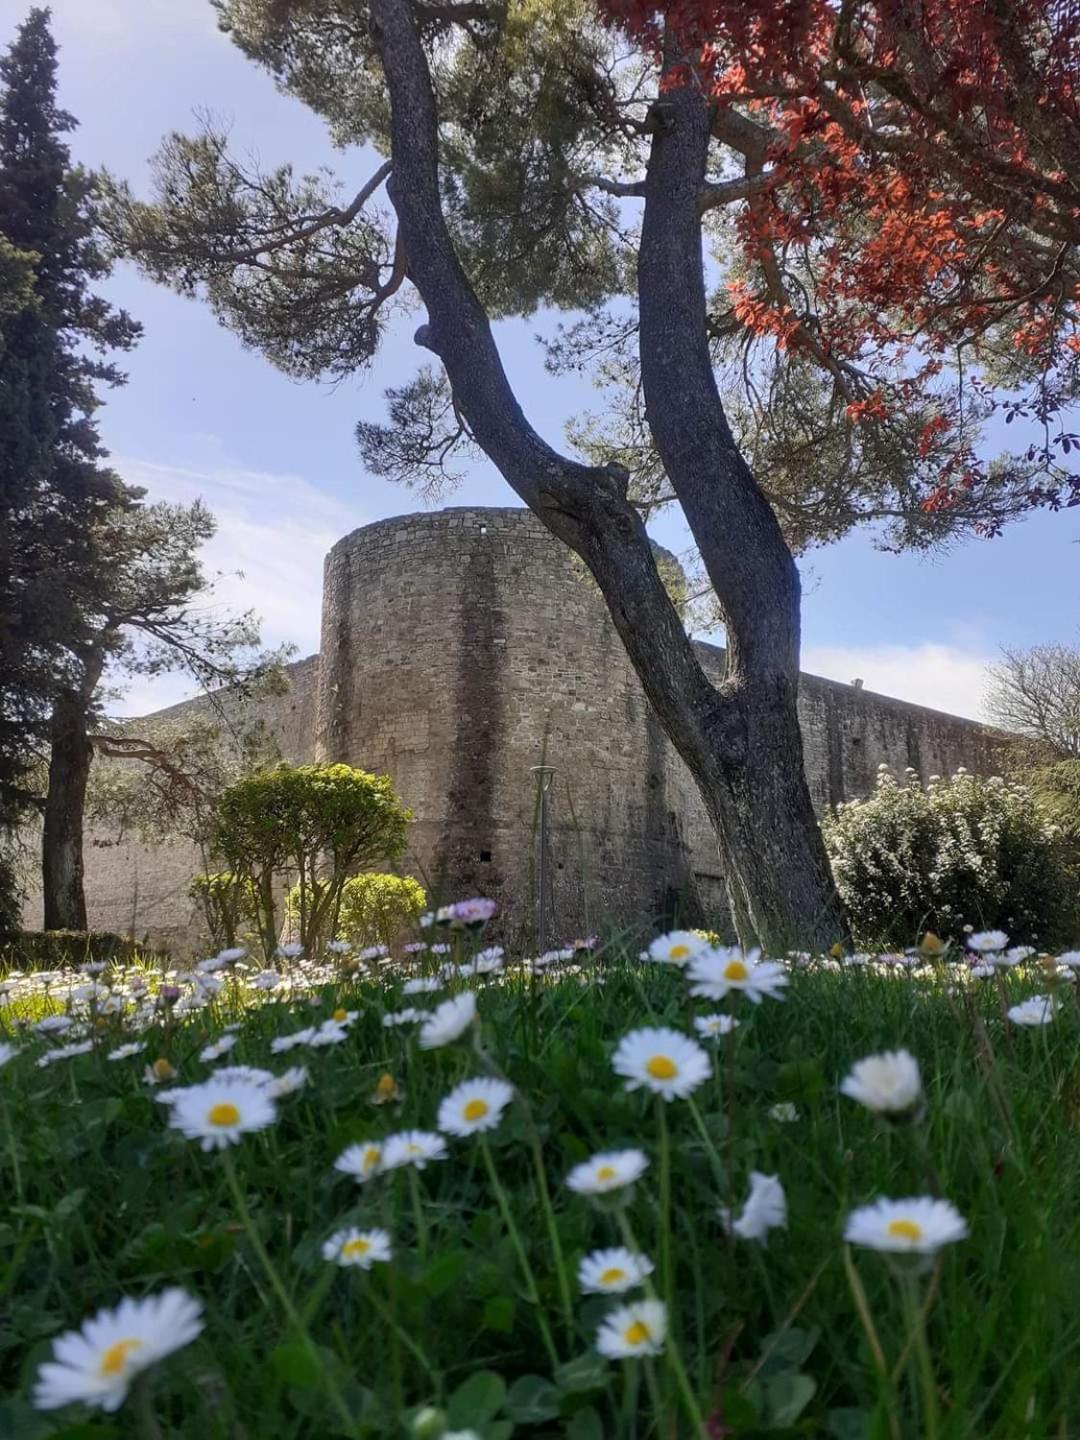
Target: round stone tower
{"x":464,"y":647}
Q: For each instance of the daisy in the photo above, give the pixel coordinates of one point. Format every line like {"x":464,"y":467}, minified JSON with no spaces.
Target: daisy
{"x":65,"y":1052}
{"x":983,"y":970}
{"x":412,"y":1147}
{"x":1071,"y":958}
{"x":7,"y":1052}
{"x":632,"y":1330}
{"x":473,"y":1106}
{"x":918,"y":1226}
{"x":423,"y":985}
{"x":361,"y":1161}
{"x":329,"y":1033}
{"x":96,"y":1364}
{"x":266,"y":980}
{"x":288,"y":1042}
{"x":488,"y":962}
{"x":448,"y":1021}
{"x":718,"y":972}
{"x":677,"y":947}
{"x":54,"y":1024}
{"x":784,"y":1113}
{"x":124,"y":1052}
{"x":358,"y":1247}
{"x":158,"y":1072}
{"x":666,"y":1062}
{"x":764,"y":1209}
{"x":232,"y":954}
{"x":988,"y":941}
{"x":291,"y":951}
{"x":710,"y":1027}
{"x":241,"y":1075}
{"x":611,"y":1272}
{"x":287,"y":1082}
{"x":409,"y":1016}
{"x":220,"y":1047}
{"x":1039,"y":1010}
{"x":92,"y":967}
{"x":338,"y":947}
{"x":1007,"y":959}
{"x":217,"y":1115}
{"x":414,"y":947}
{"x":610,"y":1170}
{"x":341,"y":1016}
{"x":888,"y":1084}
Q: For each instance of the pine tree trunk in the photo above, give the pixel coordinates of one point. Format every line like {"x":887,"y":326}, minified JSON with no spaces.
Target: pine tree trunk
{"x":62,"y":839}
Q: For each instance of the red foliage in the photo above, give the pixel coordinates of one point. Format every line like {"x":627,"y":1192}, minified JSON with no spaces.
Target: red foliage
{"x":923,"y":158}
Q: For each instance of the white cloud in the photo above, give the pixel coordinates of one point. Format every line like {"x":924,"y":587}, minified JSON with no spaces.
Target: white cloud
{"x":273,"y":533}
{"x":944,"y":677}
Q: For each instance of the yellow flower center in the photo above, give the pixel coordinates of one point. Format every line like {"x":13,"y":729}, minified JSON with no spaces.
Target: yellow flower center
{"x":339,"y":1015}
{"x":415,"y":1149}
{"x":680,"y":952}
{"x":905,"y":1229}
{"x":115,"y":1357}
{"x":637,"y":1333}
{"x":387,"y":1085}
{"x":612,"y":1276}
{"x":360,"y":1246}
{"x":475,"y":1110}
{"x":223,"y":1114}
{"x":162,"y":1069}
{"x":662,"y":1067}
{"x":736,"y":970}
{"x":372,"y":1155}
{"x":606,"y":1172}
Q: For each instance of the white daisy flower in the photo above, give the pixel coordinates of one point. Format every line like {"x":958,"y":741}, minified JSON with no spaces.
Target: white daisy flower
{"x":409,"y":1016}
{"x":288,"y":1082}
{"x":362,"y":1248}
{"x":220,"y":1047}
{"x":764,"y":1209}
{"x":711,"y":1027}
{"x":917,"y":1226}
{"x":422,"y":985}
{"x":241,"y":1075}
{"x":631,"y":1330}
{"x":159,"y":1072}
{"x":1071,"y":958}
{"x":124,"y":1052}
{"x":784,"y":1113}
{"x":54,"y":1024}
{"x":610,"y":1170}
{"x":1008,"y":959}
{"x":7,"y":1053}
{"x":1039,"y":1010}
{"x":207,"y":967}
{"x":664,"y":1061}
{"x":983,"y":970}
{"x":232,"y":954}
{"x":612,"y":1272}
{"x":96,"y":1364}
{"x":266,"y":980}
{"x":677,"y":947}
{"x":291,"y":951}
{"x":473,"y":1106}
{"x":92,"y":967}
{"x":362,"y":1161}
{"x":412,"y":1147}
{"x":448,"y":1021}
{"x":217,"y":1115}
{"x":65,"y":1052}
{"x":888,"y":1084}
{"x":488,"y":962}
{"x":328,"y":1033}
{"x":281,"y":1043}
{"x":338,"y":947}
{"x":716,"y":973}
{"x":988,"y":941}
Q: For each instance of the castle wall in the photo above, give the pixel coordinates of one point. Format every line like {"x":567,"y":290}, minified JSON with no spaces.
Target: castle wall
{"x":462,"y":648}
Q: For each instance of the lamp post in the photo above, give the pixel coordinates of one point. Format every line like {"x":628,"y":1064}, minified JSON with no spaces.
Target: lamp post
{"x":545,"y":775}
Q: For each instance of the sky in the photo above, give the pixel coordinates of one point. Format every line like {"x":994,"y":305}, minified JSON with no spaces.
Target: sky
{"x":276,"y":460}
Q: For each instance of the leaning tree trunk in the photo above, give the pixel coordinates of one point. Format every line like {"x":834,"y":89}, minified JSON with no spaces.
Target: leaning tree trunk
{"x":741,"y":740}
{"x":62,"y":839}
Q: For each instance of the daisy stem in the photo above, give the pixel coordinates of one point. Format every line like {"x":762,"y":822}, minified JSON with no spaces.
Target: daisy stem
{"x":14,"y":1153}
{"x":278,"y":1286}
{"x":143,"y":1401}
{"x":707,"y":1140}
{"x":913,"y":1314}
{"x":552,"y":1227}
{"x":418,"y":1213}
{"x":858,"y":1294}
{"x":631,"y":1383}
{"x":523,"y":1259}
{"x":666,"y":1276}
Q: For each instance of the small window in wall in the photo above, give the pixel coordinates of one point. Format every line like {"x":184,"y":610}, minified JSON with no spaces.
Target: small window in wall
{"x":485,"y":857}
{"x":483,"y":529}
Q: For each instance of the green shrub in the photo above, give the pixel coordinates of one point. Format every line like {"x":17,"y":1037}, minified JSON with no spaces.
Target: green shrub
{"x":376,"y":908}
{"x":227,"y":902}
{"x":316,"y":823}
{"x":53,"y":949}
{"x":963,"y":851}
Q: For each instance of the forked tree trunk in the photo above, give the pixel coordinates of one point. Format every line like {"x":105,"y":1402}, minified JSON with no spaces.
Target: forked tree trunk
{"x":741,"y":740}
{"x":70,"y":754}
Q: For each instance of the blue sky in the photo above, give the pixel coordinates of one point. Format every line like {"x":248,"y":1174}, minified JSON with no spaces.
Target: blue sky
{"x":276,"y":460}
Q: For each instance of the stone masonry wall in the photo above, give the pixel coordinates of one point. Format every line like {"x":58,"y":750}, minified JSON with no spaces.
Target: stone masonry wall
{"x":460,"y":649}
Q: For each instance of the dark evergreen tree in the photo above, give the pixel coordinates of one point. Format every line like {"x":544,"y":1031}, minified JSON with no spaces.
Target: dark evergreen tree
{"x":55,"y":337}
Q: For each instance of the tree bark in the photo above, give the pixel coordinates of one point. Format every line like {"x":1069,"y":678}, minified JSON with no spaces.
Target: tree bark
{"x":740,"y":741}
{"x":70,"y":755}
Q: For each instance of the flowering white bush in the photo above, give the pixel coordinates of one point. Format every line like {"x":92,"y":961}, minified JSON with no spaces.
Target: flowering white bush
{"x":912,"y":858}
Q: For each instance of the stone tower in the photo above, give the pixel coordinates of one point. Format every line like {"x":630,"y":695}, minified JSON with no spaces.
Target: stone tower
{"x":462,"y":648}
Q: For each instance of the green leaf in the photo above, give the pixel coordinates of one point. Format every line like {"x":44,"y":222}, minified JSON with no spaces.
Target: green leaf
{"x":533,"y":1399}
{"x":586,"y":1425}
{"x":848,"y":1424}
{"x":296,"y":1365}
{"x":444,"y":1272}
{"x":801,"y":1079}
{"x":19,"y":1421}
{"x":737,"y":1411}
{"x":476,"y":1400}
{"x":585,"y":1372}
{"x":787,"y":1350}
{"x":498,"y":1315}
{"x":787,"y":1396}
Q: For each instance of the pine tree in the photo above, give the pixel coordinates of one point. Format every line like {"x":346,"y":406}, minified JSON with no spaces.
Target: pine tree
{"x":55,"y":335}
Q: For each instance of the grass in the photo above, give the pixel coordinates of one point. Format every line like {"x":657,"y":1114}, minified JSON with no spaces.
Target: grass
{"x":478,"y":1318}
